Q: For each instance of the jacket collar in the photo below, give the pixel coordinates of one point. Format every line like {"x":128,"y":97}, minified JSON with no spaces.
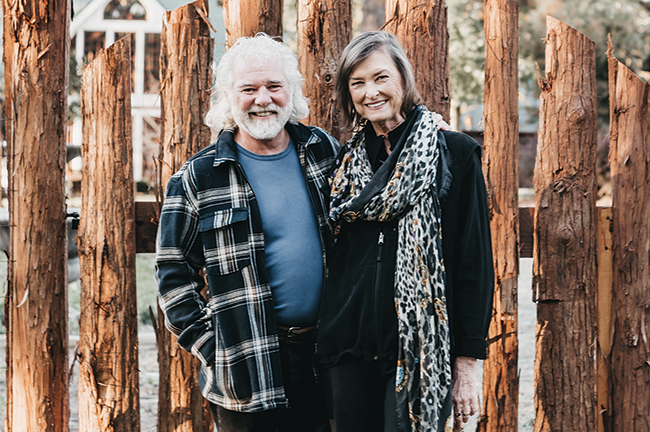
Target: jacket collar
{"x":226,"y":149}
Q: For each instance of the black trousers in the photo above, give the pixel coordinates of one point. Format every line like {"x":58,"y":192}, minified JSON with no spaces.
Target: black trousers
{"x":307,"y":410}
{"x":361,"y":397}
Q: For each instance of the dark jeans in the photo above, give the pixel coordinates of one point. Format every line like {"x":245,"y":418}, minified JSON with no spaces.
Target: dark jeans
{"x":307,"y":410}
{"x":361,"y":396}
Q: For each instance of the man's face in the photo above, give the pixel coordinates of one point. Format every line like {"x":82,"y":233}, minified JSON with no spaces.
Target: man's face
{"x":260,"y":99}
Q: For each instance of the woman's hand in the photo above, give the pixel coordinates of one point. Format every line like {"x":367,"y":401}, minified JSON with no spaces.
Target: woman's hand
{"x":464,"y":392}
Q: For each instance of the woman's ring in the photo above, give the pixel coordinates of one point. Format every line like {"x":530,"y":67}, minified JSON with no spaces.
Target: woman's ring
{"x":459,"y":414}
{"x":465,"y":414}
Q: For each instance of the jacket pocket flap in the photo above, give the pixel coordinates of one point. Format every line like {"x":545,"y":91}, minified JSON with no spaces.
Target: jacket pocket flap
{"x":223,"y":218}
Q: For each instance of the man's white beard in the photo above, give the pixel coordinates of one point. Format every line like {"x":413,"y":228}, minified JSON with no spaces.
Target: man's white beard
{"x":262,"y":128}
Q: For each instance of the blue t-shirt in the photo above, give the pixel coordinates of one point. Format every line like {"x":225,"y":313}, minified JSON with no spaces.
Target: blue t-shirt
{"x":294,"y":259}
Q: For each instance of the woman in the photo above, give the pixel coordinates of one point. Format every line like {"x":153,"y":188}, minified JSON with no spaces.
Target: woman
{"x":395,"y":314}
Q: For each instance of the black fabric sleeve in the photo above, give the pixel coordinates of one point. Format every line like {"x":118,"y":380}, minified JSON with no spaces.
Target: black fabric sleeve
{"x":467,"y":250}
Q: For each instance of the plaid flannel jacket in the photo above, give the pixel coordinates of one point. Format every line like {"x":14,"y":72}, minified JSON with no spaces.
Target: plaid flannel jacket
{"x":211,"y":219}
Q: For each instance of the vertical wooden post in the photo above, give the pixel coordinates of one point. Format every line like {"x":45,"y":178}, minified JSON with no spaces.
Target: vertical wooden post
{"x":421,"y":28}
{"x":186,"y":80}
{"x":629,"y":156}
{"x":501,"y":167}
{"x":604,"y":318}
{"x":324,"y":30}
{"x":564,"y":265}
{"x":249,"y":17}
{"x":108,"y":325}
{"x":186,"y":56}
{"x":36,"y":50}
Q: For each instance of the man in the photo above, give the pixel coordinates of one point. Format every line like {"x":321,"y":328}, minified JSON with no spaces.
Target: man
{"x":251,"y":209}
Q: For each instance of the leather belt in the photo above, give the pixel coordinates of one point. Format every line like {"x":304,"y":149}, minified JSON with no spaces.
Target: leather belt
{"x":296,"y":335}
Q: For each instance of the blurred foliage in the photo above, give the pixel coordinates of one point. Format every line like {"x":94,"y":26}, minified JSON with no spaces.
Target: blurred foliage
{"x":466,"y":50}
{"x":627,"y":21}
{"x":74,"y":86}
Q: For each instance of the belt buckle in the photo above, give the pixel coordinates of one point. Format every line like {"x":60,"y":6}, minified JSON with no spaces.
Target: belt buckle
{"x":293,"y":332}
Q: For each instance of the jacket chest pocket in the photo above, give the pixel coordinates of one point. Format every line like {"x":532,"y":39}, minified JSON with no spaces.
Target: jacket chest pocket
{"x":225,"y":235}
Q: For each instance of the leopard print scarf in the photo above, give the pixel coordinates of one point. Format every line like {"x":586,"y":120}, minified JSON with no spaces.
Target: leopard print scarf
{"x":423,"y":373}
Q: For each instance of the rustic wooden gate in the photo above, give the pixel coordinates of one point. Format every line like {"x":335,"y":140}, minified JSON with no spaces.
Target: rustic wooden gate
{"x":591,"y":265}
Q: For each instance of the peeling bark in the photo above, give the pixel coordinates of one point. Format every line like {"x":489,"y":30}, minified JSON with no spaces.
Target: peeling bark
{"x":564,"y":257}
{"x":36,"y":39}
{"x":249,"y":17}
{"x":185,"y":61}
{"x":501,"y":167}
{"x":421,"y":28}
{"x":630,"y":168}
{"x":108,"y":340}
{"x":324,"y":30}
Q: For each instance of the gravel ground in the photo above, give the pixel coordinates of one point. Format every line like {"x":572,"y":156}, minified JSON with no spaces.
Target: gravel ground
{"x":149,"y":366}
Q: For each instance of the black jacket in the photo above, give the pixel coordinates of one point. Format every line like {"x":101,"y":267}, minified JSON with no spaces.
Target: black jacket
{"x":358,"y":315}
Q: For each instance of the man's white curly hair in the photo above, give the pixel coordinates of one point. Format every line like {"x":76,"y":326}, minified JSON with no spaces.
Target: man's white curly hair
{"x":256,"y":50}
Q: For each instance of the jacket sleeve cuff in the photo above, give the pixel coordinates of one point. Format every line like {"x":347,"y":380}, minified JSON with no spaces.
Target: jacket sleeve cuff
{"x":470,"y":347}
{"x":204,"y":348}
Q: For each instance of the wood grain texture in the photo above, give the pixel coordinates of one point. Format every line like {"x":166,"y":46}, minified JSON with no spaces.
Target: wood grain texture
{"x":501,"y":169}
{"x":630,"y":170}
{"x":185,"y":98}
{"x":603,"y":388}
{"x":421,"y":28}
{"x":249,"y":17}
{"x":324,"y":30}
{"x":108,"y":340}
{"x":35,"y":40}
{"x":564,"y":255}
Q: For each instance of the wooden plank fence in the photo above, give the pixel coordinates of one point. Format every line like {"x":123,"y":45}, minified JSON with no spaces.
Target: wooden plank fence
{"x":593,"y":358}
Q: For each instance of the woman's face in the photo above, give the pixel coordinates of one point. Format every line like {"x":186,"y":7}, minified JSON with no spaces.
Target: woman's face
{"x":377,"y":92}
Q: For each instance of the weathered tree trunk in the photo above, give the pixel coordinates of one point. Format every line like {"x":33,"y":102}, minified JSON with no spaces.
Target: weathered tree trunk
{"x":324,"y":30}
{"x":501,"y":166}
{"x":249,"y":17}
{"x":108,"y":325}
{"x":36,"y":48}
{"x":185,"y":60}
{"x":421,"y":28}
{"x":630,"y":169}
{"x":564,"y":265}
{"x":186,"y":56}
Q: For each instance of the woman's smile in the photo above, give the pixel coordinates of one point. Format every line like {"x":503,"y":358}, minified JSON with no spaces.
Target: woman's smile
{"x":377,"y":91}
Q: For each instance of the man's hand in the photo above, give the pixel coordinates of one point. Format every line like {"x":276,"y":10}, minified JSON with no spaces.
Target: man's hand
{"x":464,"y":392}
{"x":440,"y":122}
